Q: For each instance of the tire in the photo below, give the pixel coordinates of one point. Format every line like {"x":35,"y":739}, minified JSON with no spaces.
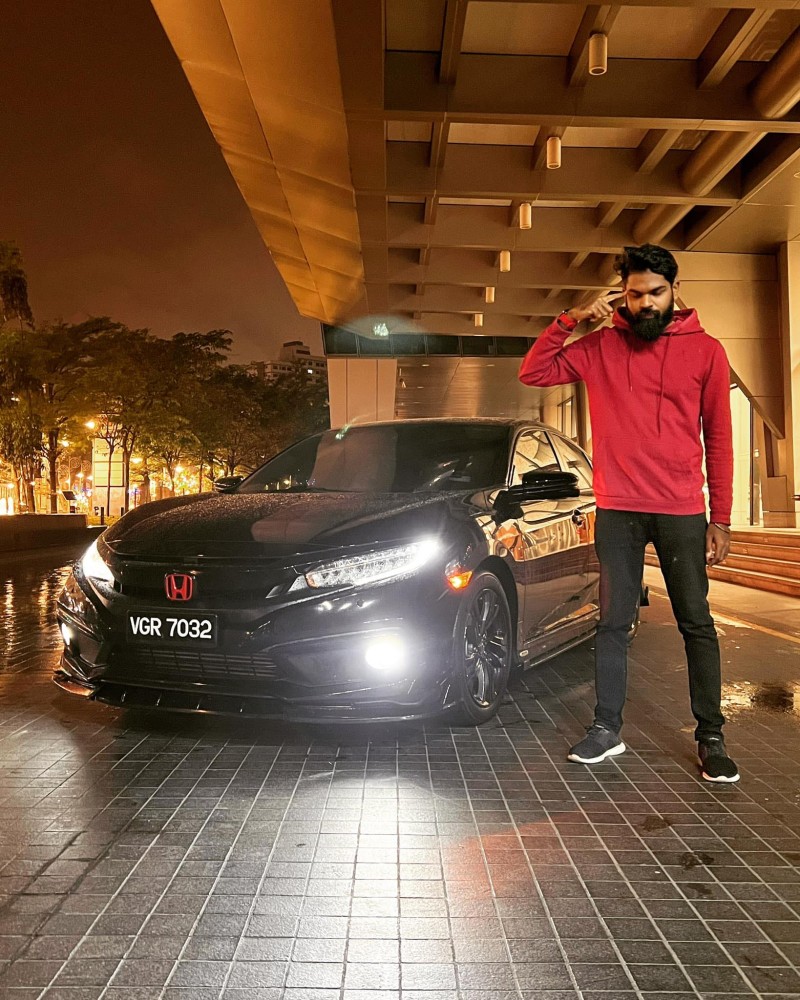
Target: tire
{"x":483,"y":650}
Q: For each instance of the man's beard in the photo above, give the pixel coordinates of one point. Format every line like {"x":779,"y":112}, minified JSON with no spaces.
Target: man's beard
{"x":648,"y":325}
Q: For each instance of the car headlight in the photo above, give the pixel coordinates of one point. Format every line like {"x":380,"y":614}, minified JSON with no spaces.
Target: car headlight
{"x":374,"y":567}
{"x":94,"y":566}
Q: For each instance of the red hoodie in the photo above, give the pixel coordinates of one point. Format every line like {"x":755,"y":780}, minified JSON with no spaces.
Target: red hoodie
{"x":648,"y":403}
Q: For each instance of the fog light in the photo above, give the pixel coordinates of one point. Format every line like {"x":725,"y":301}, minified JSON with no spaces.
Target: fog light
{"x":67,"y":634}
{"x":386,"y":653}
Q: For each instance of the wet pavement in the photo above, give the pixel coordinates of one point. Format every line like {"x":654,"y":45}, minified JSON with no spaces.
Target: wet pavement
{"x":148,"y":855}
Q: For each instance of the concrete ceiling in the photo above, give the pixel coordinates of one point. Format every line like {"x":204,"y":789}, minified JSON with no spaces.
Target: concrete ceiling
{"x":384,"y":148}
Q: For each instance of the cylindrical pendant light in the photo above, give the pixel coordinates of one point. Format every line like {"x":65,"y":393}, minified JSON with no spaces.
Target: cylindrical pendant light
{"x":478,"y":319}
{"x":553,"y":152}
{"x":490,"y":293}
{"x":598,"y":53}
{"x":505,"y":260}
{"x":525,"y":215}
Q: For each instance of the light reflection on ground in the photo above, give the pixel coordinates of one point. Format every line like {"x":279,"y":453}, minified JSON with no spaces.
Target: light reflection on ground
{"x":774,"y":696}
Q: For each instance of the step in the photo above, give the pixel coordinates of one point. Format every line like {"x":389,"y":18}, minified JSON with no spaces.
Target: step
{"x":786,"y":553}
{"x":787,"y":538}
{"x":745,"y":578}
{"x":757,"y":581}
{"x":772,"y":567}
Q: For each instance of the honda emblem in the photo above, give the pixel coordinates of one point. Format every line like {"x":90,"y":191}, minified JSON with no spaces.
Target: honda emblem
{"x":179,"y":586}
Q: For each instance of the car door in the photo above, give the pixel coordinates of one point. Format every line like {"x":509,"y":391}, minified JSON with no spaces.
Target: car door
{"x":575,"y":460}
{"x":548,"y":550}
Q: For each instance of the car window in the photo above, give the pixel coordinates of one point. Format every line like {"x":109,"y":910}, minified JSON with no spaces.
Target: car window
{"x":534,"y":453}
{"x":394,"y":457}
{"x":288,"y":471}
{"x":575,"y":460}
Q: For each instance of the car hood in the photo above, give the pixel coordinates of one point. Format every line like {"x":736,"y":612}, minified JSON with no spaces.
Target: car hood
{"x":252,"y":525}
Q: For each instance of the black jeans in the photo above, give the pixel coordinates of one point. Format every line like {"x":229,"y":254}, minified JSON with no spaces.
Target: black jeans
{"x":679,"y":540}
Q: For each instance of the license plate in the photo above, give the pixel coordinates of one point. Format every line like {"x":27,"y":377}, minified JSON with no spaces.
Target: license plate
{"x":163,"y":628}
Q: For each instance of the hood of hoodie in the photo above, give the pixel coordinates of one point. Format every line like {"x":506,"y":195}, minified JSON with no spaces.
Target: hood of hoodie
{"x":684,"y":323}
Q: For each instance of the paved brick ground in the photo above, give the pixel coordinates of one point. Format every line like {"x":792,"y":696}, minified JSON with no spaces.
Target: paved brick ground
{"x":149,"y":856}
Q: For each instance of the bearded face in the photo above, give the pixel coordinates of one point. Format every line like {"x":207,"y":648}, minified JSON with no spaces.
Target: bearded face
{"x":649,"y":304}
{"x":648,"y":324}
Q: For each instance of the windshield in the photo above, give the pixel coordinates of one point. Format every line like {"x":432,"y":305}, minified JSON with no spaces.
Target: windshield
{"x":390,"y":458}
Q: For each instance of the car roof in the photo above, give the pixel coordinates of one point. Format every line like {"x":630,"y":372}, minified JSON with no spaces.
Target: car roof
{"x":510,"y":422}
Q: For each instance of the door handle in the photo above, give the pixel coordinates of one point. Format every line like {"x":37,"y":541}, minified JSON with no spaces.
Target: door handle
{"x":579,"y":519}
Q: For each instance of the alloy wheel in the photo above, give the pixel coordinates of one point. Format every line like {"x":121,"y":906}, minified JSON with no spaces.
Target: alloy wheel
{"x":487,"y":637}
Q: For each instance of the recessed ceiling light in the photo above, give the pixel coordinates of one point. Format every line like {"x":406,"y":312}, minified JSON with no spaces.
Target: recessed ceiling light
{"x":797,"y":174}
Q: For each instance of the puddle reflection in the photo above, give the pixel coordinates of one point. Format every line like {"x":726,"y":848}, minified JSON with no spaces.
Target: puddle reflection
{"x":781,"y":697}
{"x":29,"y":586}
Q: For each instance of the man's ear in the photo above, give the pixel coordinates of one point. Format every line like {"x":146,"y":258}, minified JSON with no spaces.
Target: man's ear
{"x":676,"y":287}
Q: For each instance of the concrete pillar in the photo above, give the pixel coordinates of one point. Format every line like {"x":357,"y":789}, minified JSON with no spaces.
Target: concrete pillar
{"x":783,"y":459}
{"x":361,"y":389}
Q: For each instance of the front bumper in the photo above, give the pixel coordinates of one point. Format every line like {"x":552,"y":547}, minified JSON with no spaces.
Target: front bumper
{"x":305,"y":662}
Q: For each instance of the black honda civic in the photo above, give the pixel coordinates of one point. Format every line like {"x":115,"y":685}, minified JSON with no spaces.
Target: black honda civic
{"x":378,"y":571}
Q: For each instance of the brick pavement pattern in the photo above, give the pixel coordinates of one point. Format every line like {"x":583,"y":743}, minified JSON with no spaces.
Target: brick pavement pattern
{"x":149,"y":856}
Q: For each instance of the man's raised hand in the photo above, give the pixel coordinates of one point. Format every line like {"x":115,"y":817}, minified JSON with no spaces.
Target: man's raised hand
{"x":600,"y":309}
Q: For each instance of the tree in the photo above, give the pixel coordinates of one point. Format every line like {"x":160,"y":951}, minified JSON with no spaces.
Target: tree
{"x":50,"y":369}
{"x":20,"y":445}
{"x":13,"y":287}
{"x":149,"y":390}
{"x":299,"y":407}
{"x":132,"y":372}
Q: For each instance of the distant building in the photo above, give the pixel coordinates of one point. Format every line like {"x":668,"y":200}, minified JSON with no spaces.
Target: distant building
{"x":292,"y":356}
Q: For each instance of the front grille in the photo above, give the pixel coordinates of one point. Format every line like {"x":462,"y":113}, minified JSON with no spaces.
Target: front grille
{"x":193,"y":666}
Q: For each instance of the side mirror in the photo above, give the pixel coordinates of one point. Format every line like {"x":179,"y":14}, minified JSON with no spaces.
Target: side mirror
{"x":535,"y":486}
{"x":227,"y":484}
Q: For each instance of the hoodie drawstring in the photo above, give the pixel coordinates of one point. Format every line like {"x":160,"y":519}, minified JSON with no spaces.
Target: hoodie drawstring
{"x":661,"y":387}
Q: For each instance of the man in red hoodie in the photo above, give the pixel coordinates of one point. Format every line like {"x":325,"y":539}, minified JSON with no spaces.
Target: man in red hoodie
{"x":655,"y":380}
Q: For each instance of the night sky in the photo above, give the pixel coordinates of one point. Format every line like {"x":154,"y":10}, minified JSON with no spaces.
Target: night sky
{"x":114,"y":189}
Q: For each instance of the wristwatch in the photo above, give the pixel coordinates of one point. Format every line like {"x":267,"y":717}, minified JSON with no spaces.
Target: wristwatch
{"x":565,"y":319}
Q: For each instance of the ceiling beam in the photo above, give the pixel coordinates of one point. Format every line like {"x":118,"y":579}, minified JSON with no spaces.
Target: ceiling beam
{"x":469,"y":300}
{"x":363,"y":87}
{"x":498,"y":326}
{"x":780,"y":154}
{"x":503,"y":172}
{"x":438,"y":148}
{"x":558,"y":230}
{"x":530,"y":90}
{"x":454,"y":20}
{"x":431,"y":208}
{"x":728,"y":43}
{"x":655,"y":146}
{"x":457,"y":265}
{"x":579,"y":258}
{"x":608,"y":212}
{"x":596,"y":18}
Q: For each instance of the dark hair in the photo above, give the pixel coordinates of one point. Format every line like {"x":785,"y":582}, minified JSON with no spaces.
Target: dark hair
{"x":647,"y":257}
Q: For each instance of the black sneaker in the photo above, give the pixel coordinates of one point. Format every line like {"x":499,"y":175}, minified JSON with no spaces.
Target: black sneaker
{"x":714,"y":760}
{"x":597,"y":744}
